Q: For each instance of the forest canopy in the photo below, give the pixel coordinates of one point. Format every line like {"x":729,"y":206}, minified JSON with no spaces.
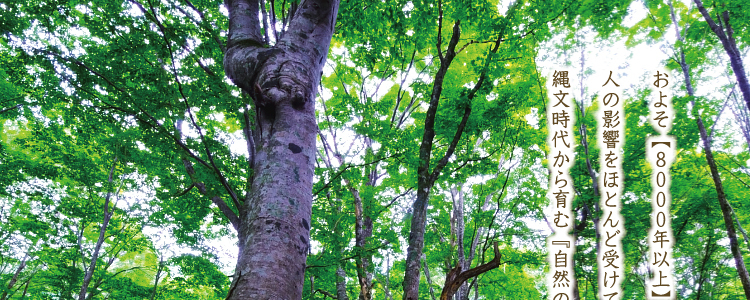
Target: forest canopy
{"x":316,"y":149}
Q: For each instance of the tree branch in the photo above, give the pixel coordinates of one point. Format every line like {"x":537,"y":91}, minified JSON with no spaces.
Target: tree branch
{"x":17,"y":106}
{"x":215,"y":168}
{"x":425,"y":149}
{"x":455,"y":278}
{"x":470,"y":97}
{"x":223,"y":207}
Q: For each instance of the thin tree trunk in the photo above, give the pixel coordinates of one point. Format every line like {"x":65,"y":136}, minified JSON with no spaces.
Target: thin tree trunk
{"x":586,"y":212}
{"x":363,"y":231}
{"x":101,"y":279}
{"x":363,"y":224}
{"x":742,"y":115}
{"x":102,"y":233}
{"x":725,"y":208}
{"x":341,"y":293}
{"x":739,"y":226}
{"x":157,"y":277}
{"x":476,"y":291}
{"x":274,"y":231}
{"x":702,"y":270}
{"x":726,"y":35}
{"x":386,"y":286}
{"x":25,"y":289}
{"x":341,"y":284}
{"x":458,"y":220}
{"x":14,"y":279}
{"x":428,"y":277}
{"x":201,"y":186}
{"x":480,"y":229}
{"x":426,"y":176}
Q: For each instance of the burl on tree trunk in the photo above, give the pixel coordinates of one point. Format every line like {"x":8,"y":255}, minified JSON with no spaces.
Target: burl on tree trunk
{"x":274,"y":229}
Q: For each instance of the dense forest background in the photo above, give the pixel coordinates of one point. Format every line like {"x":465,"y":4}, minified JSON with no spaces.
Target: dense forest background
{"x":127,"y":155}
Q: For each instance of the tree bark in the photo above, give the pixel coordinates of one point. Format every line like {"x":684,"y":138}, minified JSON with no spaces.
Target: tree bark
{"x":341,"y":284}
{"x":725,"y":208}
{"x":274,"y":229}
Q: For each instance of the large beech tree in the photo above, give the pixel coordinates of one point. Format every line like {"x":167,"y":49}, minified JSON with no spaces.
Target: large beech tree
{"x":279,"y":76}
{"x":274,"y":218}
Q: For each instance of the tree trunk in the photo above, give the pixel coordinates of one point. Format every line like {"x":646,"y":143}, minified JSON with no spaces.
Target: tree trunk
{"x":726,"y":35}
{"x":702,"y":270}
{"x":102,"y":232}
{"x":159,"y":269}
{"x":340,"y":272}
{"x":739,"y":226}
{"x":426,"y":178}
{"x":274,"y":229}
{"x":456,"y":278}
{"x":20,"y":268}
{"x":363,"y":223}
{"x":458,"y":220}
{"x":742,"y":115}
{"x":426,"y":175}
{"x":25,"y":289}
{"x":341,"y":284}
{"x":386,"y":285}
{"x":594,"y":183}
{"x":428,"y":277}
{"x":363,"y":231}
{"x":416,"y":243}
{"x":725,"y":208}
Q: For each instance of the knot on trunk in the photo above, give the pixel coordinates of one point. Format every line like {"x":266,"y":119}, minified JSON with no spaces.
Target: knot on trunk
{"x":286,"y":81}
